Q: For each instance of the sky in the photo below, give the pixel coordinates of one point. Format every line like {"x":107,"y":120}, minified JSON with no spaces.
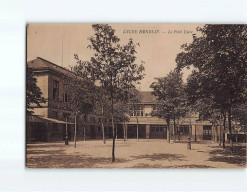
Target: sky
{"x":159,"y":45}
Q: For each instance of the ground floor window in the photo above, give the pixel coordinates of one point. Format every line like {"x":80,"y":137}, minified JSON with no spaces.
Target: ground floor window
{"x":157,"y":128}
{"x":184,"y":130}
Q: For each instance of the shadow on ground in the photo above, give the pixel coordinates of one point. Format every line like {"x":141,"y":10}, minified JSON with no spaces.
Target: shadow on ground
{"x":30,"y":146}
{"x":224,"y":155}
{"x":58,"y":159}
{"x":44,"y":152}
{"x":161,"y":156}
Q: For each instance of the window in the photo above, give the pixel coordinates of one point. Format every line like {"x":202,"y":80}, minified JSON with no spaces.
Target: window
{"x":184,"y":129}
{"x":157,"y":128}
{"x":92,"y":119}
{"x":207,"y":132}
{"x":55,"y":90}
{"x":152,"y":128}
{"x":66,"y":97}
{"x":137,"y":110}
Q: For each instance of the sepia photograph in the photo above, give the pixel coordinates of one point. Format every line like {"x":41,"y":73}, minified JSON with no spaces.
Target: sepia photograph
{"x":170,"y":96}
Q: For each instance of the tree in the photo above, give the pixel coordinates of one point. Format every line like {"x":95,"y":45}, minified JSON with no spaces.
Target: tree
{"x":82,"y":95}
{"x":33,"y":92}
{"x":102,"y":109}
{"x":219,"y":56}
{"x":114,"y":66}
{"x":240,"y":115}
{"x":169,"y":91}
{"x":207,"y":109}
{"x":121,"y":110}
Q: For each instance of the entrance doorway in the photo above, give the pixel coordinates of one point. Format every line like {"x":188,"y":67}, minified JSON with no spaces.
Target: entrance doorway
{"x":207,"y":132}
{"x":158,"y":132}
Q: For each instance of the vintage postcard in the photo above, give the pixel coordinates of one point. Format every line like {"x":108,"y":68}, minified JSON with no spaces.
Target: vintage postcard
{"x":136,"y":96}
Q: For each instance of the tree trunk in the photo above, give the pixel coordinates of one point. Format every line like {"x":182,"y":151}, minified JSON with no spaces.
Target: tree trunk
{"x":124,"y":129}
{"x":113,"y":138}
{"x":224,"y":130}
{"x":220,"y":132}
{"x":84,"y":132}
{"x":190,"y":129}
{"x":168,"y":131}
{"x":178,"y":132}
{"x":195,"y":134}
{"x":102,"y":125}
{"x":126,"y":133}
{"x":84,"y":128}
{"x":137,"y":128}
{"x":116,"y":130}
{"x":174,"y":129}
{"x":66,"y":132}
{"x":103,"y":132}
{"x":230,"y":129}
{"x":75,"y":134}
{"x":113,"y":128}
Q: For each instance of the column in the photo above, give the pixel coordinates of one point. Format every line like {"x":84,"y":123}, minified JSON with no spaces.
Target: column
{"x":193,"y":131}
{"x":147,"y":131}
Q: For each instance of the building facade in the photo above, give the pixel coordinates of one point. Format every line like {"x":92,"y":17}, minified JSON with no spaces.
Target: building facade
{"x":50,"y":122}
{"x":151,"y":127}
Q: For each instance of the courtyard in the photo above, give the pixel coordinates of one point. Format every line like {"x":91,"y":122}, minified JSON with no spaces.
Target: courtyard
{"x":132,"y":153}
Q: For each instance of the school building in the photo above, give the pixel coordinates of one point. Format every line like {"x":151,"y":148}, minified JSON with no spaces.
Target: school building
{"x":48,"y":123}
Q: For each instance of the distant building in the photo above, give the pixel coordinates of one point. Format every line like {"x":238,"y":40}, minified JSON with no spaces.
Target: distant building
{"x":48,"y":123}
{"x":151,"y":127}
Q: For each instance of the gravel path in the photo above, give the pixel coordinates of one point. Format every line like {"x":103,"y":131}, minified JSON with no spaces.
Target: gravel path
{"x":142,"y":153}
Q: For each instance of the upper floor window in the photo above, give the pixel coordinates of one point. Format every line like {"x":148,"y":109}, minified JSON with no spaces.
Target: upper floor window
{"x":55,"y":90}
{"x":66,"y":97}
{"x":137,"y":110}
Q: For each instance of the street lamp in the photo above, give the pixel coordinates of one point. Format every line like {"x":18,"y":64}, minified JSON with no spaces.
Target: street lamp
{"x":66,"y":132}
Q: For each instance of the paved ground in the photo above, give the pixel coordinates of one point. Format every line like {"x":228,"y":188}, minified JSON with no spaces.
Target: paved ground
{"x":134,"y":154}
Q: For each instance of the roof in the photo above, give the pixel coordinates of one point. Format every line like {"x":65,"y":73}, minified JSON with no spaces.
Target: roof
{"x":147,"y":97}
{"x":36,"y":118}
{"x":41,"y":64}
{"x":52,"y":120}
